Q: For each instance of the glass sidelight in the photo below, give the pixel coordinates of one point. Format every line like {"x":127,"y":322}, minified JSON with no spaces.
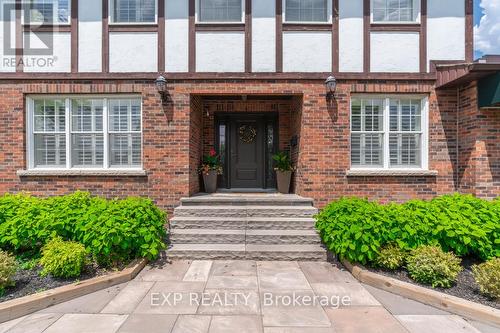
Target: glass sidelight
{"x":222,"y":148}
{"x":270,"y":151}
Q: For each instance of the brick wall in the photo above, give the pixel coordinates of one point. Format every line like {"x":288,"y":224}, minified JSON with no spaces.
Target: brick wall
{"x":479,"y":145}
{"x":173,"y":133}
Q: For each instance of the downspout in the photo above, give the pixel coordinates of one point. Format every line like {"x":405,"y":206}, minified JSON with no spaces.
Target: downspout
{"x":457,"y":166}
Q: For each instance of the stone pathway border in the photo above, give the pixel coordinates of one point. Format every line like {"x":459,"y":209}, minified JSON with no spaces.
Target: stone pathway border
{"x":28,"y":304}
{"x":437,"y":299}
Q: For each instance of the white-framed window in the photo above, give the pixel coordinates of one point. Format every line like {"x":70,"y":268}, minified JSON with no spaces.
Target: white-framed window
{"x":395,"y":11}
{"x":133,"y":11}
{"x":307,"y":11}
{"x":81,"y":132}
{"x":389,"y":132}
{"x":221,"y":11}
{"x":47,"y":11}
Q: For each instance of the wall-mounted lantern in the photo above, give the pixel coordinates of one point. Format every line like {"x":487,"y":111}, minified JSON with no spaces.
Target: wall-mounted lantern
{"x":331,"y":85}
{"x":161,"y":86}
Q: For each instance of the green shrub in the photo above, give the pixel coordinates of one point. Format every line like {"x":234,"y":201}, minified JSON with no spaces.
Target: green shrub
{"x":431,"y":265}
{"x":63,"y":259}
{"x":8,"y":267}
{"x":116,"y":229}
{"x":391,"y":257}
{"x":355,"y":228}
{"x":487,"y":276}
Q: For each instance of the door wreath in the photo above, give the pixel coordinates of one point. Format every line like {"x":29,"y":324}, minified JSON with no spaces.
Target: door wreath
{"x":247,"y":133}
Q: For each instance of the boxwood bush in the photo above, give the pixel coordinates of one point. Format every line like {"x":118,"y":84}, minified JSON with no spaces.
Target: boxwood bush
{"x":356,"y":229}
{"x":109,"y":229}
{"x":487,"y":276}
{"x":8,"y":267}
{"x":431,"y":265}
{"x":62,"y":259}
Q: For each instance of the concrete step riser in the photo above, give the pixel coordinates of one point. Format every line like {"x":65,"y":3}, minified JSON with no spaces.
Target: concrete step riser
{"x":206,"y":239}
{"x":240,"y":239}
{"x":238,"y":212}
{"x":220,"y":225}
{"x":250,"y":225}
{"x":282,"y":240}
{"x":247,"y":203}
{"x":278,"y":256}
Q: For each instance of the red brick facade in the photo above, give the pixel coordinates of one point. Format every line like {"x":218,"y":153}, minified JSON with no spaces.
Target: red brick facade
{"x":464,"y":143}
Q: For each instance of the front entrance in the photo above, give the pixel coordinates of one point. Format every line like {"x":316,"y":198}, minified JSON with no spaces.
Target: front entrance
{"x":246,"y":143}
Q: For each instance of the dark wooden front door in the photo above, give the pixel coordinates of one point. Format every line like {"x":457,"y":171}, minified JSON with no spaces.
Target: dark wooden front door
{"x":247,"y":152}
{"x":246,"y":142}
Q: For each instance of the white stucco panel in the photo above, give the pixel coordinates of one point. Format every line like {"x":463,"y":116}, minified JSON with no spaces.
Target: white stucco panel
{"x":395,"y":52}
{"x":220,"y":52}
{"x":59,"y":59}
{"x":263,"y":36}
{"x":351,"y":35}
{"x":176,"y":36}
{"x":133,"y":52}
{"x":90,"y":36}
{"x":307,"y":51}
{"x":445,"y":30}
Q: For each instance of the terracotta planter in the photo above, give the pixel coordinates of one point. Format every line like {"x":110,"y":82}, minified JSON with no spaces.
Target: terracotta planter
{"x":210,"y":181}
{"x":283,"y":179}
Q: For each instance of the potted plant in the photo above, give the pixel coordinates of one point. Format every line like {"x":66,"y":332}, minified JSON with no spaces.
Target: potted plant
{"x":283,"y":167}
{"x":210,"y":168}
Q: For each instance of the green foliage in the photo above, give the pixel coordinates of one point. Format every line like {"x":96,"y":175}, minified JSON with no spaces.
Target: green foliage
{"x":356,"y":229}
{"x":487,"y":276}
{"x":8,"y":267}
{"x":63,"y":259}
{"x":391,"y":257}
{"x":110,"y":230}
{"x":282,"y":162}
{"x":431,"y":265}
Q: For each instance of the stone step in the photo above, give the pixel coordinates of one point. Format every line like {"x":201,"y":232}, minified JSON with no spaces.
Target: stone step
{"x":282,"y":237}
{"x":207,"y":236}
{"x":217,"y":236}
{"x":237,"y":223}
{"x":245,"y":211}
{"x":247,"y":200}
{"x":248,"y":252}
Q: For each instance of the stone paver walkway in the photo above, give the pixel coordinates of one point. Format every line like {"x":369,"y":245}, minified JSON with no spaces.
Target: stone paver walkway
{"x":243,"y":296}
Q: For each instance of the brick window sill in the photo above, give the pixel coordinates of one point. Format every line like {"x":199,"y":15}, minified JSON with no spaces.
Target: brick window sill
{"x":389,"y":173}
{"x":110,"y":172}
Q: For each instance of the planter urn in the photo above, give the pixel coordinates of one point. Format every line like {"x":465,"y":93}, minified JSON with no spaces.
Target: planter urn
{"x":283,"y":179}
{"x":210,"y":181}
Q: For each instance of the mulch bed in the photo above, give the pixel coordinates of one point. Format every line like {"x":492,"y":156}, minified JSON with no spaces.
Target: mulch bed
{"x":30,"y":282}
{"x":466,"y":287}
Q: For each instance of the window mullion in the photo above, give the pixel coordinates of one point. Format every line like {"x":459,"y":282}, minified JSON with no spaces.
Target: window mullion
{"x":386,"y":124}
{"x":105,"y":130}
{"x":67,"y":124}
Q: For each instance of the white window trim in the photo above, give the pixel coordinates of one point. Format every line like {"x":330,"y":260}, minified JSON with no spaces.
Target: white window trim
{"x":55,"y":23}
{"x":197,"y":15}
{"x":106,"y":169}
{"x":112,"y":22}
{"x":416,"y":5}
{"x":329,"y":15}
{"x":385,"y":151}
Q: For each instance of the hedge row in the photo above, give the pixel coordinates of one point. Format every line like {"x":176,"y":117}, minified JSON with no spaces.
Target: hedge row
{"x":109,"y":229}
{"x":356,"y":229}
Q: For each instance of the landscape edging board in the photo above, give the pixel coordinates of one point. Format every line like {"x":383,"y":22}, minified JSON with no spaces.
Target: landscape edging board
{"x":424,"y":295}
{"x":22,"y":306}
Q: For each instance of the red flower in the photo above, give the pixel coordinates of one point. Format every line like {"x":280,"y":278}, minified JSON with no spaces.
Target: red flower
{"x":212,"y":152}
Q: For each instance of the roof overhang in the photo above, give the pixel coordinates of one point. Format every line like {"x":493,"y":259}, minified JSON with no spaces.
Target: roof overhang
{"x":452,"y":75}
